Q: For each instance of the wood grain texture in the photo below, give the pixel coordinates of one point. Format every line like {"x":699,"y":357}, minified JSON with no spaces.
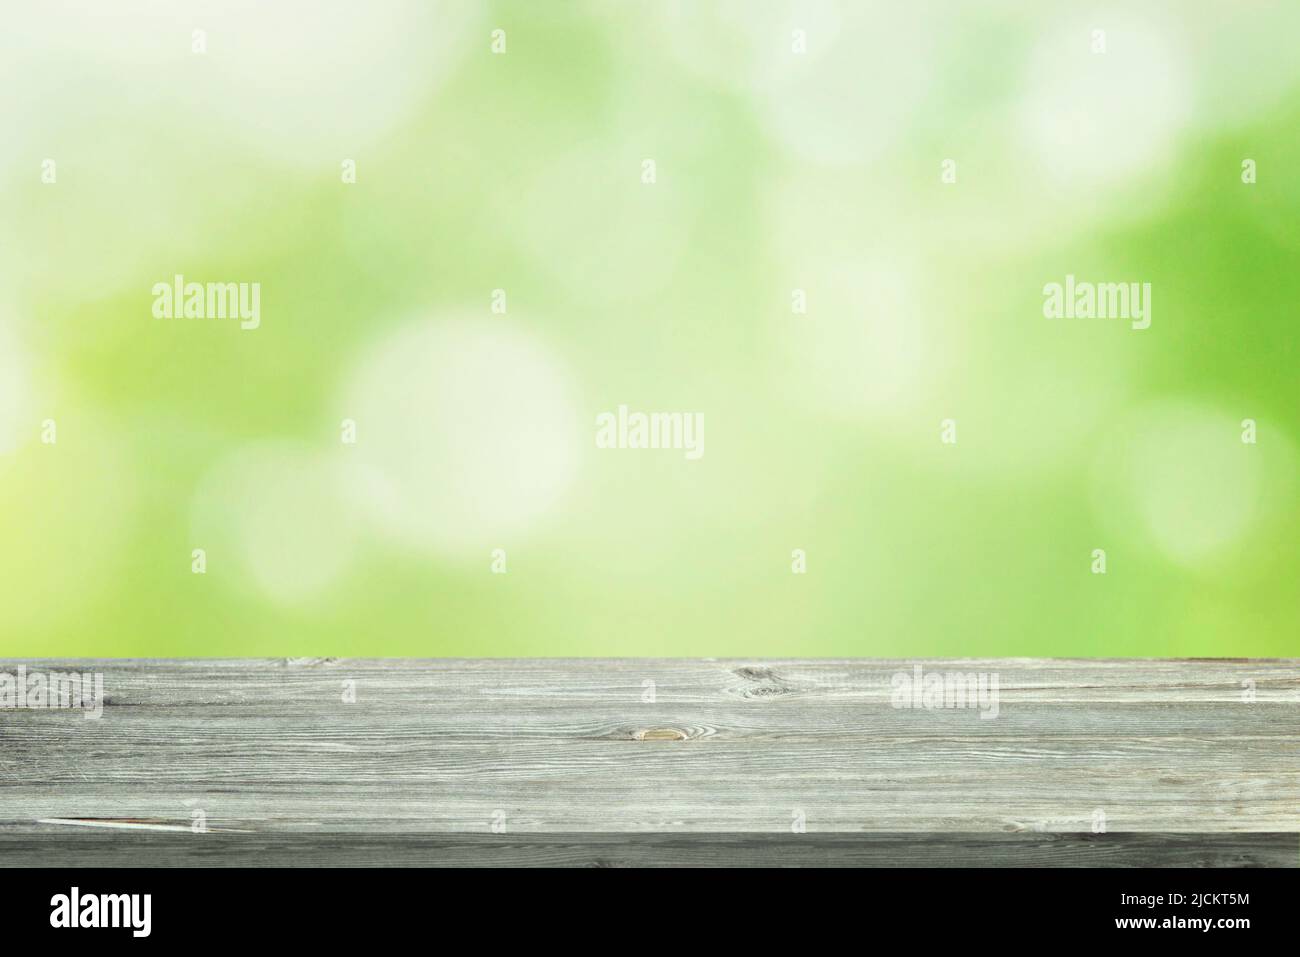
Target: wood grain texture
{"x":114,"y":848}
{"x":583,"y":769}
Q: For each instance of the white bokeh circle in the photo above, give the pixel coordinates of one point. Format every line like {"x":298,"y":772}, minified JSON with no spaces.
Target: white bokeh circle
{"x":466,"y":433}
{"x":277,"y":512}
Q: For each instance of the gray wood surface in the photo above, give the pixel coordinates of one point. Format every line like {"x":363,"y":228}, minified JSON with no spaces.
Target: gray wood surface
{"x":1191,"y":762}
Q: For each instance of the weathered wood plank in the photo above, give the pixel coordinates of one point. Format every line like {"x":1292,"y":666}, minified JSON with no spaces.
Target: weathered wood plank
{"x":932,"y":849}
{"x":436,"y":748}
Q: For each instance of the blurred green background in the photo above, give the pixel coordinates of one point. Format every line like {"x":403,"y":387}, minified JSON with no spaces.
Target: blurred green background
{"x":776,"y":170}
